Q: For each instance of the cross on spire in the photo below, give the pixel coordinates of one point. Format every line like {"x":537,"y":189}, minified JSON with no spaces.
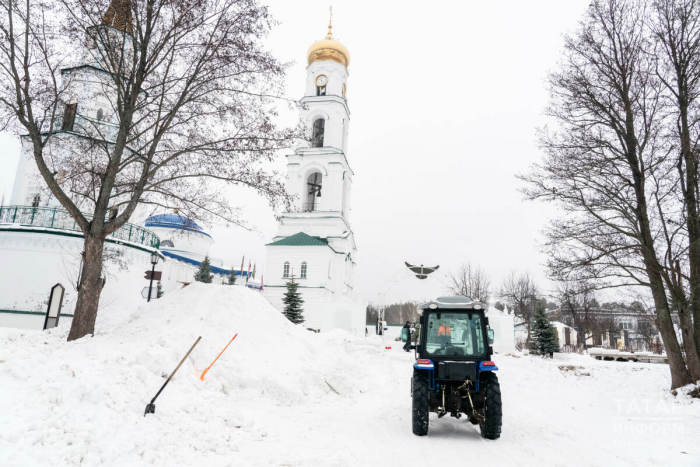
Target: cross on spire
{"x":330,"y":25}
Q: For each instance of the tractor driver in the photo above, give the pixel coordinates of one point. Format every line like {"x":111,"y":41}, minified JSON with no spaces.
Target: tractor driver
{"x":444,"y":334}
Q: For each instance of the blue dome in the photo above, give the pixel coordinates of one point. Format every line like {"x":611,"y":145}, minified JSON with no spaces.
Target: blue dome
{"x":175,"y":221}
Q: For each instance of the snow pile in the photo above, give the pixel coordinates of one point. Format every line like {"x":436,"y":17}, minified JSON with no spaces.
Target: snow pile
{"x":83,"y":402}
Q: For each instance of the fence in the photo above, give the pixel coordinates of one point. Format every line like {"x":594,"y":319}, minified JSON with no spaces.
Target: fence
{"x":54,"y":218}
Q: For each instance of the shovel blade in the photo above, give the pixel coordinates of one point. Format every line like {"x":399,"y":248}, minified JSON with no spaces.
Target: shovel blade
{"x":150,"y":408}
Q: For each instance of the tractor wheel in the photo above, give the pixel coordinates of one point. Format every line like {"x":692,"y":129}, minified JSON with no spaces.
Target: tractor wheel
{"x":491,"y":391}
{"x":420,"y":403}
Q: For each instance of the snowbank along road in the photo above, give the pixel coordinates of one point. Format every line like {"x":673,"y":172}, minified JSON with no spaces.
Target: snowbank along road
{"x":283,"y":396}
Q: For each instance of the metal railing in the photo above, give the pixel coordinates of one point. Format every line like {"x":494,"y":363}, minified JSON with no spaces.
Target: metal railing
{"x":83,"y":125}
{"x":313,"y":207}
{"x":310,"y":207}
{"x":54,"y":218}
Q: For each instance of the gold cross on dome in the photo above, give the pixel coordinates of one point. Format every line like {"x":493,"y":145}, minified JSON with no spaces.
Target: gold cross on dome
{"x":330,"y":25}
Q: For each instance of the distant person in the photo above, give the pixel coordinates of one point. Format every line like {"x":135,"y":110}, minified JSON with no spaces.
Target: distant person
{"x":444,"y":333}
{"x":407,"y":345}
{"x":366,"y":331}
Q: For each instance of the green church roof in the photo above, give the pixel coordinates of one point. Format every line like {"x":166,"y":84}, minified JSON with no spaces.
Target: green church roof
{"x":300,"y":239}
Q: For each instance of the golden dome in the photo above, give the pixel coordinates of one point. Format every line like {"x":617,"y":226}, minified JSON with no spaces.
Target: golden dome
{"x":328,"y":49}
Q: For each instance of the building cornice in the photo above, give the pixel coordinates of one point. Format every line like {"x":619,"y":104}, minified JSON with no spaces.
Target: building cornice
{"x":328,"y":98}
{"x":324,"y":151}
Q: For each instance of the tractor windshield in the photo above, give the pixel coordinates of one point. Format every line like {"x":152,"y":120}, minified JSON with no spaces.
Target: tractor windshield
{"x":455,"y":335}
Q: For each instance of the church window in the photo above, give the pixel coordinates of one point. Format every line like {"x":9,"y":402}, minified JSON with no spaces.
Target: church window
{"x":320,"y":90}
{"x":100,"y":115}
{"x":69,"y":117}
{"x":303,"y":270}
{"x":313,"y":192}
{"x":285,"y":272}
{"x":319,"y":127}
{"x":36,"y":200}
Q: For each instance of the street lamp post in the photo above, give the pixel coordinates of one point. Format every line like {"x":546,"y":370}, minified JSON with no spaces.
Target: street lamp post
{"x":154,"y":261}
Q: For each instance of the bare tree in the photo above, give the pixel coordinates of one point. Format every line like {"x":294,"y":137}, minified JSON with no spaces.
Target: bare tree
{"x":471,"y":281}
{"x":577,"y":300}
{"x":520,"y":292}
{"x":676,"y":28}
{"x":606,"y":165}
{"x":169,"y":102}
{"x":371,"y":313}
{"x":399,"y":313}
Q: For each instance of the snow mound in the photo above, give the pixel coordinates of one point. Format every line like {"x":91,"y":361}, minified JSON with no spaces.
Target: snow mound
{"x":81,"y":401}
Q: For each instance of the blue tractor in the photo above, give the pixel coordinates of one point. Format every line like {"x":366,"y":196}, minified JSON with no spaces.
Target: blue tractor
{"x":453,"y":373}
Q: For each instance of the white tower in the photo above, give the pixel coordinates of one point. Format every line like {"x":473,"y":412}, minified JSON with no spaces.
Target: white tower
{"x":86,"y":111}
{"x":315,"y":242}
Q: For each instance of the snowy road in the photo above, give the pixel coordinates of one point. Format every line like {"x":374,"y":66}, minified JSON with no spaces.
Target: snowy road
{"x":573,"y":420}
{"x":288,"y":397}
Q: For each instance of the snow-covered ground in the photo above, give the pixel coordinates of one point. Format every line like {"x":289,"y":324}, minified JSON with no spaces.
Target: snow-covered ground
{"x":284,"y":396}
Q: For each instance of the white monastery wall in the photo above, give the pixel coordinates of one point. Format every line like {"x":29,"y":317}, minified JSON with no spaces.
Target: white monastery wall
{"x":34,"y":262}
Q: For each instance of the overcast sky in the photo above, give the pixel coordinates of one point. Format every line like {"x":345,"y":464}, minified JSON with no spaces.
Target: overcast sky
{"x":444,"y":98}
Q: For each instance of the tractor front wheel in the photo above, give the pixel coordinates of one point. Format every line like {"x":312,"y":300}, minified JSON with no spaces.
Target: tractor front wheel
{"x":420,"y":403}
{"x":491,"y":392}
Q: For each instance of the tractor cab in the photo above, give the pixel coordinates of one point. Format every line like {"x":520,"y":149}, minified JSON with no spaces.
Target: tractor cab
{"x":453,"y":328}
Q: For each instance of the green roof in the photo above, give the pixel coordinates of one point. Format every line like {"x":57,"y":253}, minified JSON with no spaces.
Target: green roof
{"x":300,"y":239}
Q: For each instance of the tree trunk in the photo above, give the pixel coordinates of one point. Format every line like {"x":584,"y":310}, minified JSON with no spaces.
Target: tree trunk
{"x":691,"y":353}
{"x":90,"y":288}
{"x":679,"y":372}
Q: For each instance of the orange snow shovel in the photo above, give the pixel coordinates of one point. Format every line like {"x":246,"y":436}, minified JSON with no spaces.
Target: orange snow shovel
{"x":151,"y":408}
{"x":217,"y":357}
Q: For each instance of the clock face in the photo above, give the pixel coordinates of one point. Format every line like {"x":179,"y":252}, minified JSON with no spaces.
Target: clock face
{"x":321,"y":80}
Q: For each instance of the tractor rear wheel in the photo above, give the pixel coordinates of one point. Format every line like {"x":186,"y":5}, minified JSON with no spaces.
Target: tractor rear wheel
{"x":420,"y":410}
{"x":492,"y":412}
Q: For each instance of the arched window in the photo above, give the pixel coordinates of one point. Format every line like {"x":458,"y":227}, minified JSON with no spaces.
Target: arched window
{"x":319,"y":127}
{"x":313,"y":192}
{"x":285,"y":273}
{"x":69,"y":117}
{"x":100,"y":114}
{"x":303,"y":270}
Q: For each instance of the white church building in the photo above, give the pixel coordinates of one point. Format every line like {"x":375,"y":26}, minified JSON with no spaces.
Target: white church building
{"x":315,"y":244}
{"x":41,"y":245}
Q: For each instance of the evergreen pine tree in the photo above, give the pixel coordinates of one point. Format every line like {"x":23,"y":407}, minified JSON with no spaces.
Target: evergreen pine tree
{"x":204,"y":273}
{"x":232,"y":277}
{"x":292,"y":303}
{"x":159,"y":290}
{"x":544,"y":339}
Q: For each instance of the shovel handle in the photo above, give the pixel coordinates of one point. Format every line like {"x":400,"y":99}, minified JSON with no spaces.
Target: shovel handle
{"x":177,"y":368}
{"x":217,"y":357}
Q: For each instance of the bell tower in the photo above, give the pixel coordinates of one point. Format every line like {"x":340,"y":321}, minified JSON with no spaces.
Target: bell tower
{"x":314,"y":241}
